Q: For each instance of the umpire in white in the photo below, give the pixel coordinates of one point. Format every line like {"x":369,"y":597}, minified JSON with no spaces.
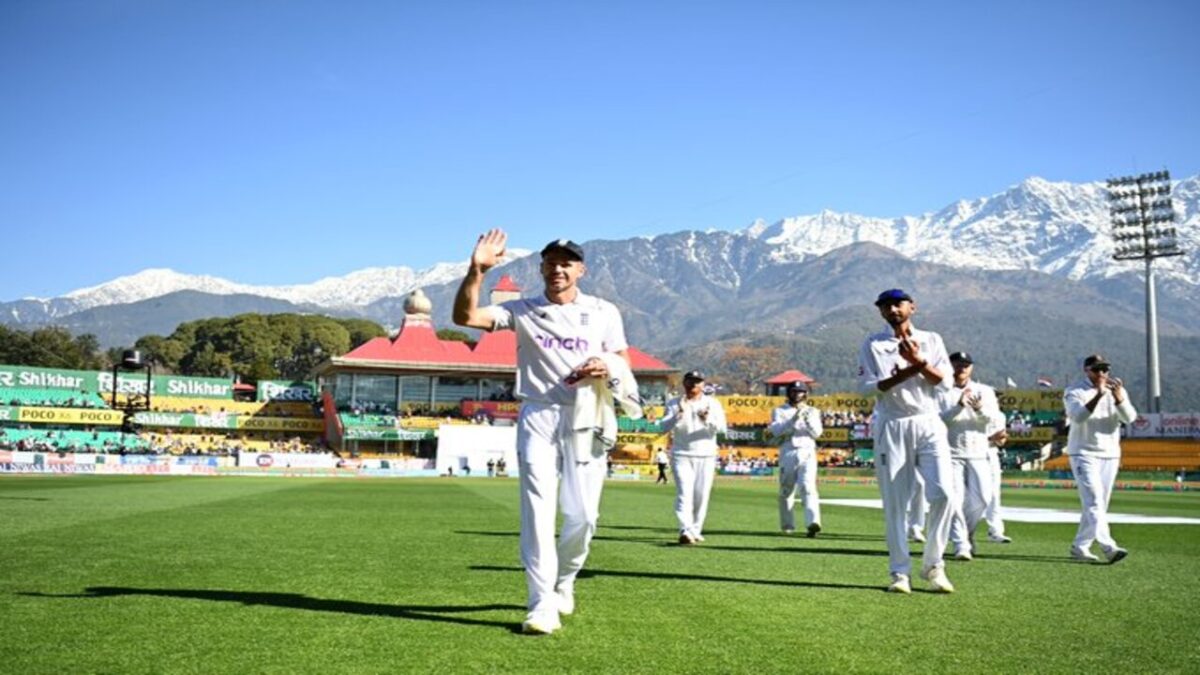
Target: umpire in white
{"x":972,"y":415}
{"x":1096,"y":407}
{"x":799,"y":424}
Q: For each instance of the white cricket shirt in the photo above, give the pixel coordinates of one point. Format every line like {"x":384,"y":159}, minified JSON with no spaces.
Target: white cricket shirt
{"x":692,"y":436}
{"x":553,"y":340}
{"x":968,"y":431}
{"x":1096,"y":434}
{"x":801,"y":426}
{"x":879,"y":358}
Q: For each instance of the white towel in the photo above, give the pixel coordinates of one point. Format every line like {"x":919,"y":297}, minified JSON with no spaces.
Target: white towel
{"x":594,"y":418}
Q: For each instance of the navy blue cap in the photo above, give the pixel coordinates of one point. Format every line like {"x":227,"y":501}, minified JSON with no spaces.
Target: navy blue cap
{"x":892,"y":295}
{"x":961,"y":357}
{"x":566,"y":246}
{"x":798,"y":386}
{"x":693,"y":375}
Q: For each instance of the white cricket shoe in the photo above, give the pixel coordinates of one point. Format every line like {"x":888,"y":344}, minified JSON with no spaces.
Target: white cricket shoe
{"x":964,"y":556}
{"x":999,"y":539}
{"x":900,"y":584}
{"x":1083,"y":555}
{"x":541,"y":622}
{"x":698,"y":537}
{"x":788,"y":530}
{"x":916,"y":535}
{"x":938,"y":583}
{"x":1116,"y":555}
{"x":564,"y":597}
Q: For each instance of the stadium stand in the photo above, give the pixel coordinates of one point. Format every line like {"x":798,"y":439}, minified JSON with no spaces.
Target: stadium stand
{"x":66,"y":440}
{"x":57,"y":398}
{"x":178,"y":443}
{"x":369,"y":420}
{"x":210,"y":405}
{"x":1145,"y":454}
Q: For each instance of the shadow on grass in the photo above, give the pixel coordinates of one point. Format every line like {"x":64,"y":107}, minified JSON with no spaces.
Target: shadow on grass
{"x":1061,"y":559}
{"x":643,"y":528}
{"x":775,"y":534}
{"x":438,"y":613}
{"x":488,"y":534}
{"x":800,"y":549}
{"x":669,"y":535}
{"x":664,"y":540}
{"x":27,"y":499}
{"x":659,"y":576}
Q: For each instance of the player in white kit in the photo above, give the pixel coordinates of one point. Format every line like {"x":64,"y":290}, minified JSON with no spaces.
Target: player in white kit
{"x":903,"y":367}
{"x":972,"y":415}
{"x":694,"y":421}
{"x":799,"y":424}
{"x":1096,"y":407}
{"x":561,"y":336}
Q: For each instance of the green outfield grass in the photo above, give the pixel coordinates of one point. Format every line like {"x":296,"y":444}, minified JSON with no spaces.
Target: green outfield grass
{"x":161,"y":574}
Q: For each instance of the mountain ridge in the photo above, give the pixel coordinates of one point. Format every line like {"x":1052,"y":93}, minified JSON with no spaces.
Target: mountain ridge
{"x":1056,"y":228}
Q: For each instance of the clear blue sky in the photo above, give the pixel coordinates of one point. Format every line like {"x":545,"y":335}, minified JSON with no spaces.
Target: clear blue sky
{"x":276,"y":142}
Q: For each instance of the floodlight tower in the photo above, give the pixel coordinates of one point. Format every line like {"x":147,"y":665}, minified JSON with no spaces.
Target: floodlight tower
{"x":1143,"y":229}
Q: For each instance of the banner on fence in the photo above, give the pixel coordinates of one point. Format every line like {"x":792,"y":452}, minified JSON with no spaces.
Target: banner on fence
{"x":286,"y":390}
{"x":387,"y":434}
{"x":287,"y":460}
{"x":507,"y":410}
{"x":1165,"y":425}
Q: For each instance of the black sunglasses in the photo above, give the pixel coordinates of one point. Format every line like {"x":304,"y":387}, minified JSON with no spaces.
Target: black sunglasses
{"x":1099,"y":369}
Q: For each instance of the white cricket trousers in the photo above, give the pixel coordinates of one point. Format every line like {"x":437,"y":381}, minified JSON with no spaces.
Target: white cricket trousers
{"x":992,"y":514}
{"x":693,"y":485}
{"x":1095,"y":477}
{"x":918,"y":506}
{"x":798,"y":469}
{"x":972,"y":493}
{"x":542,"y":433}
{"x":904,"y":448}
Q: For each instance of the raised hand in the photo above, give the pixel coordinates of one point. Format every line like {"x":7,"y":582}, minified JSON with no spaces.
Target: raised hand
{"x":973,"y":399}
{"x":1117,"y":387}
{"x":910,"y":351}
{"x":999,"y":438}
{"x":489,"y":249}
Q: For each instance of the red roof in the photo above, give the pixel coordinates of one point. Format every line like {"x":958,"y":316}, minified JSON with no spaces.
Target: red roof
{"x":788,"y":377}
{"x":238,"y":386}
{"x":506,"y":284}
{"x":640,"y":360}
{"x":419,"y":344}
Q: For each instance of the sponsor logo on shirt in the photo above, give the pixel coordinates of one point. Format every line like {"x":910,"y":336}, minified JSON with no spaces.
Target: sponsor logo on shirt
{"x":573,"y":344}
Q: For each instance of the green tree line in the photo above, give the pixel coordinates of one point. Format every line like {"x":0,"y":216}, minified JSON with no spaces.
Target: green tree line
{"x":250,"y":346}
{"x":51,"y":347}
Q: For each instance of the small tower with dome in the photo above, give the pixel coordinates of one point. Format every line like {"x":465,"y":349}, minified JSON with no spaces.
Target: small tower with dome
{"x":417,"y":310}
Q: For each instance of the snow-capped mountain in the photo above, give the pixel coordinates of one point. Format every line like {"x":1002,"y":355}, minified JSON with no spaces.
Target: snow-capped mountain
{"x":1038,"y":228}
{"x":1057,"y":228}
{"x":356,"y":289}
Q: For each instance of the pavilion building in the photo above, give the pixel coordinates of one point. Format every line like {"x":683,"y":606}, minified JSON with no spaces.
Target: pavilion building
{"x":384,"y":392}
